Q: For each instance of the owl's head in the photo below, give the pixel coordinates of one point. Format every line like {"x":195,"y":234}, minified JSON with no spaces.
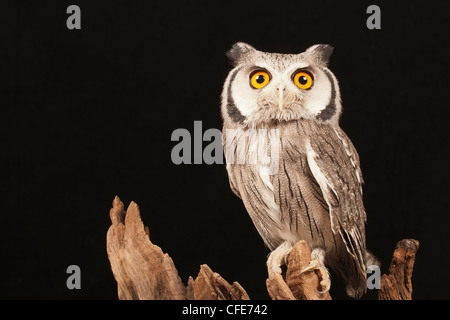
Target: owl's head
{"x":270,"y":88}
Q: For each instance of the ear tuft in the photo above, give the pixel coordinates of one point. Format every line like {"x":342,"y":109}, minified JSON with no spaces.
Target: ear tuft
{"x":321,"y":53}
{"x":239,"y":51}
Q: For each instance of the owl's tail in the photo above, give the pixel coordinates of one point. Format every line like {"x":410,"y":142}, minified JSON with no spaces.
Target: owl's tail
{"x":357,"y":281}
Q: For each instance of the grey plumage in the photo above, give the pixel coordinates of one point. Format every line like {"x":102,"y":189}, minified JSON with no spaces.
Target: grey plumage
{"x":316,"y":192}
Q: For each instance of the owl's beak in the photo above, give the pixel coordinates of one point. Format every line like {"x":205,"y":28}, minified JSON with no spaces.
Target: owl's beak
{"x":281,"y":90}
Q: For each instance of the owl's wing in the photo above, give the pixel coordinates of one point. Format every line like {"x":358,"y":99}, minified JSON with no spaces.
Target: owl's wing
{"x":334,"y":163}
{"x":231,"y":174}
{"x":231,"y":179}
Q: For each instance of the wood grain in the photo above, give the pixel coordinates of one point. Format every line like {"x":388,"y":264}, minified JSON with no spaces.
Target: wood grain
{"x":144,"y":272}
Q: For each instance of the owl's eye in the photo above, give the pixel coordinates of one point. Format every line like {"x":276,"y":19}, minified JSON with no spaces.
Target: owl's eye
{"x":303,"y":80}
{"x":259,"y":79}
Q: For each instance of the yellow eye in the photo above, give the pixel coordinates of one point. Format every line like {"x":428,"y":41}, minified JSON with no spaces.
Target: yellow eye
{"x":303,"y":80}
{"x":259,"y":79}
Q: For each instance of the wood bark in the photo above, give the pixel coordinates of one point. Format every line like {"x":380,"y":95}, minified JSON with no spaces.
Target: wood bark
{"x":397,"y":284}
{"x":141,"y":269}
{"x":144,"y":272}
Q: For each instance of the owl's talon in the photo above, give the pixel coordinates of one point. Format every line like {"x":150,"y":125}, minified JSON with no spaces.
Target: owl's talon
{"x":277,"y":258}
{"x":325,"y":282}
{"x":317,"y":266}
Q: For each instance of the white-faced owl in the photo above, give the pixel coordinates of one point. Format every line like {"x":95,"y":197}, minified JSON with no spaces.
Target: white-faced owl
{"x":315,"y":193}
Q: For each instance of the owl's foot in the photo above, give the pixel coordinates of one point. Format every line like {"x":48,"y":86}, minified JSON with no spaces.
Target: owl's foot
{"x":317,"y":265}
{"x":277,"y":258}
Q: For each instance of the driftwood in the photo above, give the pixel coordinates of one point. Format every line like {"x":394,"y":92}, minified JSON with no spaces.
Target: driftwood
{"x":144,"y":272}
{"x":397,"y":285}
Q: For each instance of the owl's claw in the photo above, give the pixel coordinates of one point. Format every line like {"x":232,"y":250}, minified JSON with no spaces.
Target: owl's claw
{"x":322,"y":272}
{"x":277,"y":258}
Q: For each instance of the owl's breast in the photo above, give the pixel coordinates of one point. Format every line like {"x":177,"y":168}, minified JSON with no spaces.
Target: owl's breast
{"x":271,"y":175}
{"x":301,"y":204}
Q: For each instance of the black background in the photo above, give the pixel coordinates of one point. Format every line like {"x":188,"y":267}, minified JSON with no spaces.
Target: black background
{"x":88,"y":114}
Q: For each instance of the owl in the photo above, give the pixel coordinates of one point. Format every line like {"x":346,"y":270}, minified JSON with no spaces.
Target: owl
{"x":312,"y":191}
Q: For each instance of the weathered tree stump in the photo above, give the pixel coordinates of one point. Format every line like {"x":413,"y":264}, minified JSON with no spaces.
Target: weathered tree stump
{"x":144,"y":272}
{"x":397,"y":284}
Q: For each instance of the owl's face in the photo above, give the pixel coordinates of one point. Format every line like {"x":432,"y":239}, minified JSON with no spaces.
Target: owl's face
{"x":269,"y":88}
